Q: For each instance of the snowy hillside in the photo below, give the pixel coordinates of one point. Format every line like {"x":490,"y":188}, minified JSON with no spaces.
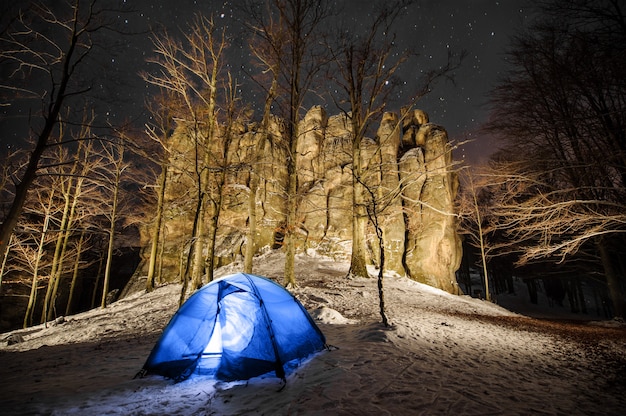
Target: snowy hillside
{"x":445,"y":355}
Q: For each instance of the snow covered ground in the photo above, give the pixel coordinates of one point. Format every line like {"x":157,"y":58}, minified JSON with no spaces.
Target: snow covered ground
{"x":445,"y":355}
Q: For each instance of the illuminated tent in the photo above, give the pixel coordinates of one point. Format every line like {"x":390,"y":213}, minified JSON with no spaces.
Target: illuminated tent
{"x":236,"y":327}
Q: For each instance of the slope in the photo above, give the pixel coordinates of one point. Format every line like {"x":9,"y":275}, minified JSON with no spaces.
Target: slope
{"x":445,"y":355}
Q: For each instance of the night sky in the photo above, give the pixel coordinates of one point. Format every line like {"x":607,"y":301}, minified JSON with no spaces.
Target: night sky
{"x":480,"y":27}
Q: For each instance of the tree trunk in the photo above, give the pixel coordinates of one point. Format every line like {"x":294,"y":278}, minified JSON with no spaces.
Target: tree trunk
{"x":156,"y":232}
{"x":54,"y":274}
{"x":109,"y":261}
{"x":254,"y":177}
{"x":32,"y":298}
{"x":483,"y":259}
{"x":185,"y":275}
{"x":358,"y":261}
{"x":290,"y":247}
{"x":4,"y":260}
{"x":372,"y":215}
{"x":97,"y":282}
{"x":199,"y":243}
{"x":199,"y":264}
{"x":612,"y":282}
{"x":251,"y":235}
{"x":481,"y":240}
{"x":65,"y":232}
{"x":381,"y":275}
{"x":209,"y":261}
{"x":79,"y":247}
{"x":159,"y":272}
{"x":292,"y":176}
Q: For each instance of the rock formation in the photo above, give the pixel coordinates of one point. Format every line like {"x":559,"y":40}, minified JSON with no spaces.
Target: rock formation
{"x":389,"y":139}
{"x":408,"y":168}
{"x":433,"y":248}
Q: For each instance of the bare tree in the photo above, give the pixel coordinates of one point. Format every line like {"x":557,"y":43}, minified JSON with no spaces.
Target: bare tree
{"x":561,"y":113}
{"x":109,"y":176}
{"x":44,"y":235}
{"x":289,"y":33}
{"x":382,"y":196}
{"x":472,"y":209}
{"x":38,"y":234}
{"x":46,"y":208}
{"x":366,"y":64}
{"x":375,"y":206}
{"x":543,"y":219}
{"x":263,"y":137}
{"x":47,"y":56}
{"x":70,"y":180}
{"x":270,"y":66}
{"x":222,"y":165}
{"x":192,"y":70}
{"x":364,"y":68}
{"x":159,"y":131}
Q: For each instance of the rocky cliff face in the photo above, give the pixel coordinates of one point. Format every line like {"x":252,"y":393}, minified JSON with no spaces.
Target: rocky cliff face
{"x":407,"y":169}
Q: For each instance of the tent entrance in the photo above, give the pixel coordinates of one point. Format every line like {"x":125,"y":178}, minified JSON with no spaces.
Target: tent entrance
{"x":233,"y":330}
{"x":211,"y":357}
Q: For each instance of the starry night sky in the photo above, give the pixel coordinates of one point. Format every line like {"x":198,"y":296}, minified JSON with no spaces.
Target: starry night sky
{"x":480,"y":27}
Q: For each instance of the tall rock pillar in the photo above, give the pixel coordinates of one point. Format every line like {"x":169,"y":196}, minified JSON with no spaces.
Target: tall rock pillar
{"x":433,"y":248}
{"x":392,"y":221}
{"x":312,"y":210}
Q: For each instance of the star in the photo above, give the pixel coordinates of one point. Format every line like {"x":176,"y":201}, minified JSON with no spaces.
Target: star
{"x":431,"y":28}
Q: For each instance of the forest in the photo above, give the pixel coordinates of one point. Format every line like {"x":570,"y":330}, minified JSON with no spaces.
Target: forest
{"x":83,"y":200}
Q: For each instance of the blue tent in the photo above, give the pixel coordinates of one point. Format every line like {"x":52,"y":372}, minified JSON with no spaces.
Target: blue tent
{"x":236,"y":327}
